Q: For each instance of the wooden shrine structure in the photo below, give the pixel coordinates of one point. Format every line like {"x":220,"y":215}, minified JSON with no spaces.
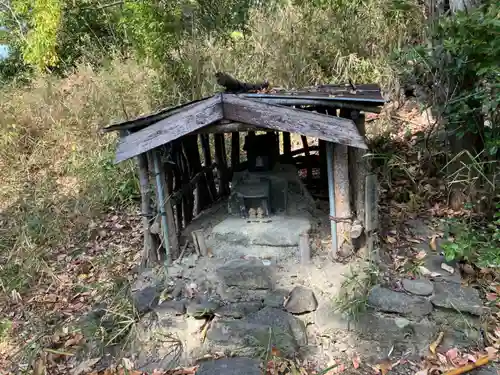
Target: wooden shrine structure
{"x":181,"y":151}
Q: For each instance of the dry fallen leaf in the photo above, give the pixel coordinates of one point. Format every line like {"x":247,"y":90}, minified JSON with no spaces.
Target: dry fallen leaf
{"x":432,"y":243}
{"x":442,"y":358}
{"x":391,"y":240}
{"x":491,"y":351}
{"x":355,"y":362}
{"x":436,"y":343}
{"x":421,"y":255}
{"x":383,"y":366}
{"x":425,"y":371}
{"x":85,"y":366}
{"x":452,"y":354}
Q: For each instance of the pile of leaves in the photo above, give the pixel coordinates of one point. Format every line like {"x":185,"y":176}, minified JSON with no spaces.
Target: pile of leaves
{"x":44,"y":333}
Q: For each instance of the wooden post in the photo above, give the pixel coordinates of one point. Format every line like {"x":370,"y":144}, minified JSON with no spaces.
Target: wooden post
{"x":205,"y":145}
{"x":287,"y":147}
{"x":177,"y":184}
{"x":149,"y":254}
{"x":162,"y":202}
{"x":169,"y":209}
{"x":322,"y":162}
{"x":343,"y":211}
{"x":220,"y":160}
{"x":358,"y":170}
{"x":235,"y":151}
{"x":187,"y":196}
{"x":199,"y":242}
{"x":194,"y":160}
{"x":308,"y":158}
{"x":304,"y":248}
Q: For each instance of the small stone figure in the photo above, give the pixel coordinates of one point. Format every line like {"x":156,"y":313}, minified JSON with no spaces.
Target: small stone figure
{"x":252,"y":213}
{"x":260,"y":213}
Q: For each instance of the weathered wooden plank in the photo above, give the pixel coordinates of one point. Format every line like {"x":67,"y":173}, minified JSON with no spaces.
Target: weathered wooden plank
{"x":205,"y":145}
{"x":228,"y":127}
{"x":169,"y":210}
{"x":149,"y":255}
{"x":328,"y":128}
{"x":220,"y":160}
{"x":181,"y":123}
{"x":358,"y":169}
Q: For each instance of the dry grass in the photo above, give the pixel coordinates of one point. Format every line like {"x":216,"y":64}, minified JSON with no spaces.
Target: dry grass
{"x":57,"y":169}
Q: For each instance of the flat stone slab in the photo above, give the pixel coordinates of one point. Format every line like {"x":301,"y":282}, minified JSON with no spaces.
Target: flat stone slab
{"x":456,"y":297}
{"x":245,"y":274}
{"x":404,"y":335}
{"x":281,"y":231}
{"x":433,"y":263}
{"x":301,"y":300}
{"x":238,"y":310}
{"x":419,"y":287}
{"x":275,"y":299}
{"x":281,"y":320}
{"x":247,"y":339}
{"x":388,"y":300}
{"x":230,"y":366}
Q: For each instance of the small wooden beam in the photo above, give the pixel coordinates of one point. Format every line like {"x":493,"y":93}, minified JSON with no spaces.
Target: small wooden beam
{"x":176,"y":154}
{"x":220,"y":160}
{"x":205,"y":145}
{"x":228,"y":127}
{"x":330,"y":128}
{"x":169,"y":210}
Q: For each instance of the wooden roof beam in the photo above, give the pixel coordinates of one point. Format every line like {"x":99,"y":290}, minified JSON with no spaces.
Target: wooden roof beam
{"x":187,"y":120}
{"x":292,"y":120}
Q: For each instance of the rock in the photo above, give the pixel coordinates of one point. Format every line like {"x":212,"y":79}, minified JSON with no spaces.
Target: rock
{"x":461,"y":338}
{"x":455,"y":319}
{"x":275,"y":299}
{"x":245,"y":274}
{"x":173,"y":307}
{"x":405,"y":335}
{"x":301,"y":300}
{"x":282,"y":231}
{"x":230,"y":366}
{"x":246,"y":339}
{"x":145,"y":299}
{"x":201,"y":310}
{"x":281,"y":320}
{"x":433,"y":266}
{"x":238,"y":310}
{"x":454,"y":296}
{"x":390,"y":301}
{"x":419,"y":287}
